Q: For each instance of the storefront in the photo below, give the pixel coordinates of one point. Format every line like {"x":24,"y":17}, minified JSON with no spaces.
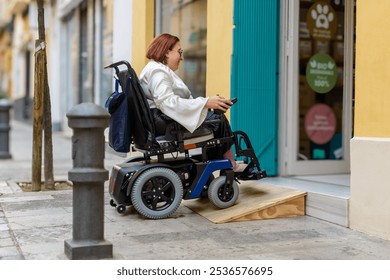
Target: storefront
{"x":316,"y":86}
{"x":291,"y":65}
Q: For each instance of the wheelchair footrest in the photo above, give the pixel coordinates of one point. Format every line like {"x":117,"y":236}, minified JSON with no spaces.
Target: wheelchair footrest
{"x":252,"y":175}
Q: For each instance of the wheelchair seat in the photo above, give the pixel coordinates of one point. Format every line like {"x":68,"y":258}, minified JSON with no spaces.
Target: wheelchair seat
{"x":201,"y":134}
{"x":175,"y":132}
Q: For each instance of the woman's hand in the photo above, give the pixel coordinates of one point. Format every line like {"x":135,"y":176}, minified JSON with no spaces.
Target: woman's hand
{"x":218,"y":103}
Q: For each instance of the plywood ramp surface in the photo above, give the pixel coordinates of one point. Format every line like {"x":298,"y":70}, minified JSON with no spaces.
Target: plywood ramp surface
{"x":256,"y":201}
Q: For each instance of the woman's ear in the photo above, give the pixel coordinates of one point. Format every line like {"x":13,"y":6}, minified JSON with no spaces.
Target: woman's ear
{"x":165,"y":61}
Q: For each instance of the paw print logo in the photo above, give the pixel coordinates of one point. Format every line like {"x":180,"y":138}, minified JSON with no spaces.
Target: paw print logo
{"x":322,"y":21}
{"x":322,"y":16}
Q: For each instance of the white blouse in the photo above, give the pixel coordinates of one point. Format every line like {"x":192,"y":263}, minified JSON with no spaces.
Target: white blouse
{"x":167,"y":92}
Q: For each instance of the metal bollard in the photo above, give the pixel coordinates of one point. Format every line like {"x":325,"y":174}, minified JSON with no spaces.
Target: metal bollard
{"x":5,"y":127}
{"x":88,"y":175}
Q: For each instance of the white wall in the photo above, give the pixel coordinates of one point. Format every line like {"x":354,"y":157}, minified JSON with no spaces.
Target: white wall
{"x":122,"y":34}
{"x":53,"y":67}
{"x":370,"y":186}
{"x":18,"y":60}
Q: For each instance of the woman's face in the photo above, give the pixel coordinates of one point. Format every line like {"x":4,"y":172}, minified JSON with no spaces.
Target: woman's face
{"x":174,"y":57}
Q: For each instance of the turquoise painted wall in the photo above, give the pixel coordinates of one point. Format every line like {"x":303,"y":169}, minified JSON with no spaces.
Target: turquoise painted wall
{"x":255,"y":67}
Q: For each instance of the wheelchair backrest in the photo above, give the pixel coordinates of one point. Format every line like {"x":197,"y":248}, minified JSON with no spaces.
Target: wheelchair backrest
{"x":140,"y":120}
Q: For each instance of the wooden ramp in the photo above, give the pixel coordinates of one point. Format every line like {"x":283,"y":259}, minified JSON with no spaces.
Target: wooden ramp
{"x":257,"y":201}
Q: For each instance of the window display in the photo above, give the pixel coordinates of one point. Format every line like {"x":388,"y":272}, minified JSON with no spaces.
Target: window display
{"x":321,"y":63}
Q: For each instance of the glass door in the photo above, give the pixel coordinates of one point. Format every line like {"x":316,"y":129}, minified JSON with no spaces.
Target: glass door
{"x":317,"y":90}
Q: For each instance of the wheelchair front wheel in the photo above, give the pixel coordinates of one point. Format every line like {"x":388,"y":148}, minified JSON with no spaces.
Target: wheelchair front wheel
{"x":157,"y":193}
{"x":223,"y":196}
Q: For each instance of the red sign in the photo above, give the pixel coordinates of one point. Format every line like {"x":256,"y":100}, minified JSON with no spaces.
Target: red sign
{"x":320,"y":123}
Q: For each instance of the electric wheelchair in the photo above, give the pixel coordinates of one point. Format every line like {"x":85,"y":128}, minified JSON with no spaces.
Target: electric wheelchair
{"x":175,"y":166}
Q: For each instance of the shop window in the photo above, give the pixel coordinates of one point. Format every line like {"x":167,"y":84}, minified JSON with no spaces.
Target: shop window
{"x":187,"y":19}
{"x":321,"y":79}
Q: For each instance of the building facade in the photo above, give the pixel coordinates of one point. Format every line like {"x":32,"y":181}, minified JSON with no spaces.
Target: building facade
{"x":84,"y":42}
{"x":82,"y":37}
{"x":16,"y":49}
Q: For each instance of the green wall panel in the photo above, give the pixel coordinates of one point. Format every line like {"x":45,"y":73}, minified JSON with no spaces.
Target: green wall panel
{"x":255,"y":67}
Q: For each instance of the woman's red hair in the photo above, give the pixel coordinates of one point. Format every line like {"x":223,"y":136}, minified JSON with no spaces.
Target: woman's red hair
{"x":160,"y":46}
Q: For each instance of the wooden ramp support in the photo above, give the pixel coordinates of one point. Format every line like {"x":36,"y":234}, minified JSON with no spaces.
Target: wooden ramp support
{"x":257,"y":201}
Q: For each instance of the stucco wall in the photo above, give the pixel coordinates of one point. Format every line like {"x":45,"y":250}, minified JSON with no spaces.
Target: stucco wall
{"x":372,"y":114}
{"x":143,"y":32}
{"x":219,"y":47}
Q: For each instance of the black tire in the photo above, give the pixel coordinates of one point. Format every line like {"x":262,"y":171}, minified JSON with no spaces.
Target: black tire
{"x":157,"y":193}
{"x":112,"y":203}
{"x":121,"y":209}
{"x":221,"y":196}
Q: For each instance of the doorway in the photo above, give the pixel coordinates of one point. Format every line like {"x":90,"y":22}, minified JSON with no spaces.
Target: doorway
{"x":316,"y":104}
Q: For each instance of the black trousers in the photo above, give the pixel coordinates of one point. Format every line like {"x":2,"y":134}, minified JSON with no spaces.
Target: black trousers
{"x":220,"y":129}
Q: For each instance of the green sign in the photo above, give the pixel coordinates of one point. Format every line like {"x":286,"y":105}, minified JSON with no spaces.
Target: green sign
{"x":321,"y":73}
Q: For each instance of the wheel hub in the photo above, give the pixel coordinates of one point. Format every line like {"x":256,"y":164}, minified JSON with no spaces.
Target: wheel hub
{"x":158,"y":193}
{"x":225,"y":193}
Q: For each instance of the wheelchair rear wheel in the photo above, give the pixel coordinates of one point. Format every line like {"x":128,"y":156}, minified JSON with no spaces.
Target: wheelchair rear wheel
{"x":157,"y":193}
{"x":223,"y":196}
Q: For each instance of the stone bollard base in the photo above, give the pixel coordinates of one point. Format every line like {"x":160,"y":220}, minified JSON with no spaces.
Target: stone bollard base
{"x":88,"y":250}
{"x":5,"y":155}
{"x":5,"y":128}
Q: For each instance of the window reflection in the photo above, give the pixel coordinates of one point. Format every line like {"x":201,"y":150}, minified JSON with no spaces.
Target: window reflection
{"x":187,"y":19}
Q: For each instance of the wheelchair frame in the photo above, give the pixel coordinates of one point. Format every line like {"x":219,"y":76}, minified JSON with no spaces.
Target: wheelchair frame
{"x":156,"y":184}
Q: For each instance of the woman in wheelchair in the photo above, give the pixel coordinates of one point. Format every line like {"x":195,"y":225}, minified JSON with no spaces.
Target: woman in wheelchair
{"x":169,"y":97}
